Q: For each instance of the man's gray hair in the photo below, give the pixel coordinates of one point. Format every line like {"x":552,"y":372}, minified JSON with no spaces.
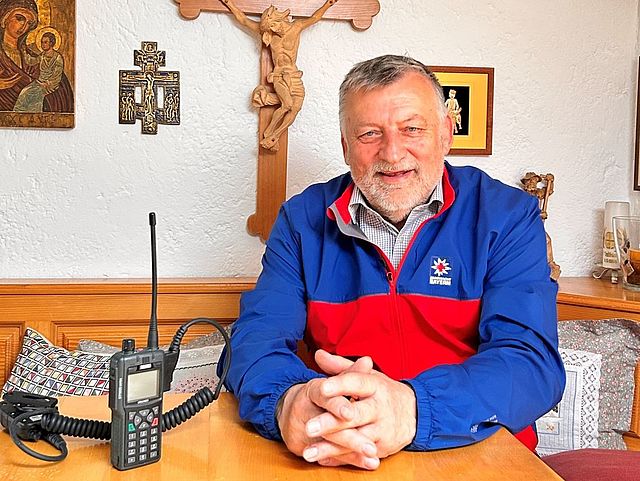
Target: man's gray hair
{"x":382,"y":71}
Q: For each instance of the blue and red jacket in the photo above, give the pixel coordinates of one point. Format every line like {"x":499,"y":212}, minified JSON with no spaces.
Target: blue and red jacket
{"x":468,"y":318}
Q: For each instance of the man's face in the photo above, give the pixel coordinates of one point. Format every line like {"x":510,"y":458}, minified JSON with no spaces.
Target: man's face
{"x":394,"y":139}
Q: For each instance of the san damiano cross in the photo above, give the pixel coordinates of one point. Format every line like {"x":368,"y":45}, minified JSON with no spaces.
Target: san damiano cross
{"x":280,"y":94}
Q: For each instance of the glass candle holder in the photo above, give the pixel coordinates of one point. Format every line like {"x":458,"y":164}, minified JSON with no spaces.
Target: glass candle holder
{"x":626,"y":234}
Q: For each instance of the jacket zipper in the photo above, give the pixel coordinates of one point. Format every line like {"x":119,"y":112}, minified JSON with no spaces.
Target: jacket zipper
{"x":392,"y":276}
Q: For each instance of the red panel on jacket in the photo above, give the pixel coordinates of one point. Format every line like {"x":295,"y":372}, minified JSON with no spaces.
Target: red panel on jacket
{"x":404,"y":334}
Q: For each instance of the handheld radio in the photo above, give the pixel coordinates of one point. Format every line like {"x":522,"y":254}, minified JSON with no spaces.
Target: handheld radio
{"x":136,"y":405}
{"x":137,"y":380}
{"x":135,"y":390}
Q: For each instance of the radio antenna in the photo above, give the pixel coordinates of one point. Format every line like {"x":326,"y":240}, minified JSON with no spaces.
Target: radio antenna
{"x":152,"y":338}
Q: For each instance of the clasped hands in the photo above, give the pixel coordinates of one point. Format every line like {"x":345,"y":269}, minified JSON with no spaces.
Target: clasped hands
{"x":356,"y":416}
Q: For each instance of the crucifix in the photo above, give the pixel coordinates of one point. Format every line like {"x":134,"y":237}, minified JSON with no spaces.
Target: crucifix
{"x":150,"y":81}
{"x":280,"y":94}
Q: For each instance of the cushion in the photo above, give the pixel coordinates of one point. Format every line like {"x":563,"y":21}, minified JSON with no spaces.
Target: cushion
{"x":196,"y":367}
{"x":596,"y":465}
{"x":573,"y":423}
{"x":618,"y":341}
{"x":43,"y":368}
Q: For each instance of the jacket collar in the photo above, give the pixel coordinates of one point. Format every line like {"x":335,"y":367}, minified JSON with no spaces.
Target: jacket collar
{"x":339,"y":210}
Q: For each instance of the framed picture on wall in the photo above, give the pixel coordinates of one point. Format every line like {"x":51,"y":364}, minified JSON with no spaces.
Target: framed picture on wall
{"x":636,"y":163}
{"x":468,"y":93}
{"x":37,"y":63}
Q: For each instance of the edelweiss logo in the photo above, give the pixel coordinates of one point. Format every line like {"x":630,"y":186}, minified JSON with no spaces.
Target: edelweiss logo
{"x":441,"y":268}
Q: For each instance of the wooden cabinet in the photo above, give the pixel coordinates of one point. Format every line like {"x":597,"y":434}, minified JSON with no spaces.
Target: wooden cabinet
{"x":588,"y":298}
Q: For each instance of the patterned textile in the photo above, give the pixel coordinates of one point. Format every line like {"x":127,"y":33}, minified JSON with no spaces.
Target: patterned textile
{"x":43,"y":368}
{"x":196,"y":367}
{"x":573,"y":423}
{"x":618,"y":340}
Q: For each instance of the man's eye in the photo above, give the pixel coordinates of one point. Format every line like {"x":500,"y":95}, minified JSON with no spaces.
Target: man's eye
{"x":412,"y":129}
{"x":370,"y":134}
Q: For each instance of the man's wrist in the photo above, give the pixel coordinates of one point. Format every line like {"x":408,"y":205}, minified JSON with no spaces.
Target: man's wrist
{"x":412,"y":421}
{"x":280,"y":406}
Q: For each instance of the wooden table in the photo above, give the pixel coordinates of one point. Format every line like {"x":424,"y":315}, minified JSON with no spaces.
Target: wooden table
{"x":216,"y":445}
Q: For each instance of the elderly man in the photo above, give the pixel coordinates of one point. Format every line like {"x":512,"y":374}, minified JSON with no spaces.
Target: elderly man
{"x":422,"y":288}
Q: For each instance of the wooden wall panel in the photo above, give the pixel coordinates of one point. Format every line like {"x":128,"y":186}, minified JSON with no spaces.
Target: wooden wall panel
{"x":66,"y":311}
{"x":10,"y":341}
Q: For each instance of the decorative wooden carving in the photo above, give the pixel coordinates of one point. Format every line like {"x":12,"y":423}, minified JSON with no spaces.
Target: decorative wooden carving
{"x":283,"y":87}
{"x":541,"y":186}
{"x":272,"y":153}
{"x":359,"y":12}
{"x":149,"y":80}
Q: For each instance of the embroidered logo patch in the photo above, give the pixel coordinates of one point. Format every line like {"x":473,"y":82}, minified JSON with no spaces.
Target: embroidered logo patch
{"x":440,"y":268}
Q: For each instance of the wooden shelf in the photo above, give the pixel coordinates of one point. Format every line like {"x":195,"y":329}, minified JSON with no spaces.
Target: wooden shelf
{"x":589,"y":298}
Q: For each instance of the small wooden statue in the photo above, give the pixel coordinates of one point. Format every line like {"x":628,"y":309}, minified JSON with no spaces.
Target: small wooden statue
{"x":541,"y":186}
{"x":282,"y":37}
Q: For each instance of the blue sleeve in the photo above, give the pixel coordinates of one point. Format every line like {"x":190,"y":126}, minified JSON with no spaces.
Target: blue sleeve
{"x":517,"y":374}
{"x":264,"y":339}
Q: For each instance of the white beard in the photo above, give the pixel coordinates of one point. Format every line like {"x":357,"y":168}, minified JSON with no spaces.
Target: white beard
{"x":395,"y":202}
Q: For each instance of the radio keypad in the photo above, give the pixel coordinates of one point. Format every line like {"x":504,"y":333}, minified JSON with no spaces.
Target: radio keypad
{"x":142,"y":439}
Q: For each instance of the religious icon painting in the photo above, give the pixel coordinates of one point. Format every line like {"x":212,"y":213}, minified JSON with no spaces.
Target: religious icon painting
{"x":37,"y":63}
{"x":149,"y":94}
{"x":468,"y":94}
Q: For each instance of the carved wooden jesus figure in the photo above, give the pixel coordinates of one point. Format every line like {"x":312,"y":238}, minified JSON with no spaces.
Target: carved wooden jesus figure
{"x":282,"y":37}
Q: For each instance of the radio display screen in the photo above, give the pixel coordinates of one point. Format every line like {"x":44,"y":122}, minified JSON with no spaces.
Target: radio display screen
{"x":143,"y":385}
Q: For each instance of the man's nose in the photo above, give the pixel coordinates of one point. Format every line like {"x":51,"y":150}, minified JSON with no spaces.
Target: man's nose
{"x":392,"y":148}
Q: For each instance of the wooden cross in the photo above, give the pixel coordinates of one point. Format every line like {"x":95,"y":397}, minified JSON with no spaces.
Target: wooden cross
{"x":150,"y":81}
{"x":272,"y":163}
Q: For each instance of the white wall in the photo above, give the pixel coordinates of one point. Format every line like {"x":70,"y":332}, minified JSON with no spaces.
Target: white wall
{"x":74,"y":203}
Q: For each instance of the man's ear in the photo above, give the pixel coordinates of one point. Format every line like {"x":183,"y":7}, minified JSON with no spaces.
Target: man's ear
{"x":447,"y":135}
{"x":345,"y":149}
